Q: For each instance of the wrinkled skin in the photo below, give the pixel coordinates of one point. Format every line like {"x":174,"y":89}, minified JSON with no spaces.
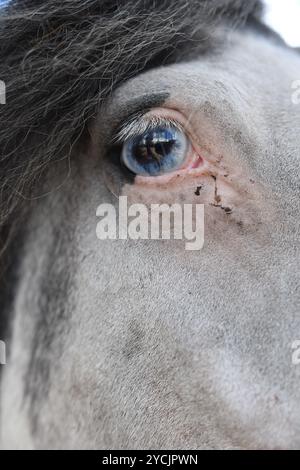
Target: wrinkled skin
{"x":141,"y":344}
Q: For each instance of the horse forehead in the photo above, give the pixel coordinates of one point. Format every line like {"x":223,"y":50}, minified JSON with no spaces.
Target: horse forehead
{"x":247,"y":65}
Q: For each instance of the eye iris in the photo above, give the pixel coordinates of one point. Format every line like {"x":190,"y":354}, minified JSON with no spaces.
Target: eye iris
{"x":152,"y":149}
{"x":155,"y":152}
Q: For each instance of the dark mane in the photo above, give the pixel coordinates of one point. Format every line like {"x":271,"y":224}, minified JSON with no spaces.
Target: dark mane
{"x":59,"y":59}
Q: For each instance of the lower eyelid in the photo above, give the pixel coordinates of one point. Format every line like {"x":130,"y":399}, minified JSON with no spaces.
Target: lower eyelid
{"x":196,"y":169}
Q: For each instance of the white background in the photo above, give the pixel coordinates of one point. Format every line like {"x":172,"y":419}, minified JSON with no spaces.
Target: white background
{"x":284,"y":17}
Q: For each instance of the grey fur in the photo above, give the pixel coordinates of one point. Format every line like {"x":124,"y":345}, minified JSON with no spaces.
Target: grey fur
{"x":123,"y":344}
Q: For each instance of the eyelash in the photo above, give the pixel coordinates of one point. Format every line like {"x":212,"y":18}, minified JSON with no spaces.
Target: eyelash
{"x":140,"y":124}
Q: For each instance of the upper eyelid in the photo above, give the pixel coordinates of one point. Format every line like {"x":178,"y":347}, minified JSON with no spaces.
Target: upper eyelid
{"x":141,"y":123}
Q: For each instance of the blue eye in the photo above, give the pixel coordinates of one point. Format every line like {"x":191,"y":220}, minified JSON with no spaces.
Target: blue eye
{"x":155,"y":152}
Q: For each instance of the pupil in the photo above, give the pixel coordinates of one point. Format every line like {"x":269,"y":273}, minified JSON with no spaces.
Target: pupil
{"x":150,"y":150}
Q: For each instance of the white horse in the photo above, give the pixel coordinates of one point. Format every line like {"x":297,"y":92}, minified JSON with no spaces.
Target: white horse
{"x":140,"y":343}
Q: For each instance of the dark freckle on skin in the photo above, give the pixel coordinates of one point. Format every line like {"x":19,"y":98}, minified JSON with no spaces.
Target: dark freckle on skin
{"x":217,"y":197}
{"x":227,"y":210}
{"x":198,"y":189}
